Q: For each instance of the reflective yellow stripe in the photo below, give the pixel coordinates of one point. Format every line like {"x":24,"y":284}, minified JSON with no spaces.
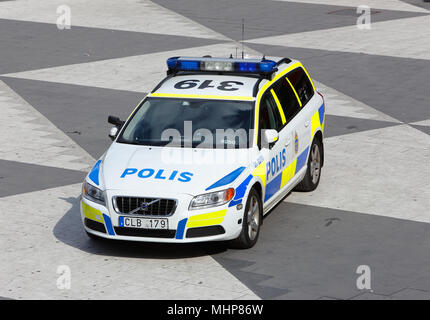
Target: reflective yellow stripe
{"x":260,"y":171}
{"x":135,"y":108}
{"x":174,"y":95}
{"x":288,"y":173}
{"x":322,"y":127}
{"x":210,"y":215}
{"x":312,"y":83}
{"x":226,"y":97}
{"x":295,"y":92}
{"x":92,"y":213}
{"x":281,"y":111}
{"x":204,"y":223}
{"x":206,"y":219}
{"x":315,"y":123}
{"x":200,"y":96}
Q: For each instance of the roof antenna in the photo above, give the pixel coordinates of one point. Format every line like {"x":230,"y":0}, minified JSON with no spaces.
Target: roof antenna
{"x":243,"y":34}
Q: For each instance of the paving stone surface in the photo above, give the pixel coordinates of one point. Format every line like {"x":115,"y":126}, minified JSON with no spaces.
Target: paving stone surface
{"x":372,"y":207}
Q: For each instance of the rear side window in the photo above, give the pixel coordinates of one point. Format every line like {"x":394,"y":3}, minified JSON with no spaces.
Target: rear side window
{"x":287,"y":98}
{"x":302,"y":84}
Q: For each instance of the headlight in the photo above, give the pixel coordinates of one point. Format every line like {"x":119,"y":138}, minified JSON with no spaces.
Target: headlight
{"x":92,"y":193}
{"x":212,"y":199}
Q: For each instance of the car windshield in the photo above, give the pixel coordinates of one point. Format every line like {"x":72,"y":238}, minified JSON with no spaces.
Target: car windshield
{"x":190,"y":123}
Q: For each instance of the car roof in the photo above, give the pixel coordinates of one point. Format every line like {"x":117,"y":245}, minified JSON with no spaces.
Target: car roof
{"x":171,"y":86}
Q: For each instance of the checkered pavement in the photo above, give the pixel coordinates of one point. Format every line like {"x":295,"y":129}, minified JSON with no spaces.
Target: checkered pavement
{"x":372,"y":205}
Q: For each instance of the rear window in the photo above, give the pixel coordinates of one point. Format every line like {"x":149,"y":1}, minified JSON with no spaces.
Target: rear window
{"x":287,"y":98}
{"x":302,"y":84}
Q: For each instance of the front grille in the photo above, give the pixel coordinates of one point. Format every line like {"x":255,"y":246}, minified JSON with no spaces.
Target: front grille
{"x":162,"y":207}
{"x":150,"y":233}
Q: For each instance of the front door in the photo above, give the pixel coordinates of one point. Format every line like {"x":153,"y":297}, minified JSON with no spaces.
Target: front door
{"x":278,"y":155}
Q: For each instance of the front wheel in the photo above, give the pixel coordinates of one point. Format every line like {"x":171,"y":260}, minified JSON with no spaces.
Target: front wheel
{"x":313,"y":172}
{"x":251,"y":223}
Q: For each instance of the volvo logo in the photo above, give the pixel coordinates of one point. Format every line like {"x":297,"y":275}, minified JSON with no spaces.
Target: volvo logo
{"x":144,"y":206}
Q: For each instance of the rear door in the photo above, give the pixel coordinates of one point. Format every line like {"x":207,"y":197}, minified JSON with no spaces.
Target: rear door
{"x":294,"y":129}
{"x":305,"y":94}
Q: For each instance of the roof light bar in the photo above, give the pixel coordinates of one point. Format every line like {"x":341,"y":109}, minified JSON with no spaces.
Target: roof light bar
{"x":264,"y":66}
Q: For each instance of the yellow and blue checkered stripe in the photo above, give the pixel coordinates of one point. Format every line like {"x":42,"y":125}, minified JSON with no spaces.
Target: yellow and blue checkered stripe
{"x":200,"y":220}
{"x":318,"y":120}
{"x":294,"y":167}
{"x":96,"y":215}
{"x":286,"y":175}
{"x":214,"y":218}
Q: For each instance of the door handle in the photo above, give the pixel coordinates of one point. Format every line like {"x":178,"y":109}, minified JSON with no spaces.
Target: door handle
{"x":288,"y":142}
{"x":306,"y":124}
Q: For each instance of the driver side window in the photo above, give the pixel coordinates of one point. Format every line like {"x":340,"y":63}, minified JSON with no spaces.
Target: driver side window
{"x":269,"y":117}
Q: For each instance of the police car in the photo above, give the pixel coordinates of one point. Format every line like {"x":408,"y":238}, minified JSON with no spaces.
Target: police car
{"x":211,"y":150}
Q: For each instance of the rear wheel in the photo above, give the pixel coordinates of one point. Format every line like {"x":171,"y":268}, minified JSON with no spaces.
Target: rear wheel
{"x":313,"y":172}
{"x":251,"y":222}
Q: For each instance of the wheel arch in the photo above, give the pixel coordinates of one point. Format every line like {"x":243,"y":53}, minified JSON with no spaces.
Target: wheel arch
{"x":319,"y":135}
{"x":256,"y":185}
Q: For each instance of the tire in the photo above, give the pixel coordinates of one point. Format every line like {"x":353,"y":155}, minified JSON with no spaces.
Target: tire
{"x":313,"y":172}
{"x":250,"y":230}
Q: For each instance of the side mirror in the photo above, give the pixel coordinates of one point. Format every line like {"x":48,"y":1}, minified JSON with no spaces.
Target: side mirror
{"x":118,"y":124}
{"x":270,"y":136}
{"x":113,"y":133}
{"x":115,"y":121}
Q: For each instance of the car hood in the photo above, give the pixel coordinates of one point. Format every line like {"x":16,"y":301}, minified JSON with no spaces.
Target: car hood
{"x":169,"y":170}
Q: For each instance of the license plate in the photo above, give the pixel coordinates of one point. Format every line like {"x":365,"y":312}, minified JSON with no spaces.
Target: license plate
{"x":143,"y":223}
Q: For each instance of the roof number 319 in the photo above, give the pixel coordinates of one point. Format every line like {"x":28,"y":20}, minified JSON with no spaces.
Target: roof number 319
{"x":224,"y":85}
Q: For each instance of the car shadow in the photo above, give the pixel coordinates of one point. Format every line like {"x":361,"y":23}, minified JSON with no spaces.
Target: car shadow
{"x":266,"y":216}
{"x":70,"y":231}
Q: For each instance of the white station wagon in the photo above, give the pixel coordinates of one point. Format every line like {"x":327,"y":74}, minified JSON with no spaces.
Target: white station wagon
{"x":211,"y":150}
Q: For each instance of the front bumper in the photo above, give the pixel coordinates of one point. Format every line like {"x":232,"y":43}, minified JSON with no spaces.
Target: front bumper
{"x":185,"y":226}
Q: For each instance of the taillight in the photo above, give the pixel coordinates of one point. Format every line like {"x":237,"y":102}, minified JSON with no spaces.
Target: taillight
{"x":321,"y":96}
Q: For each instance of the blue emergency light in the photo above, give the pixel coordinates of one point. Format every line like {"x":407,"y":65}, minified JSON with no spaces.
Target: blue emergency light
{"x":263,"y":66}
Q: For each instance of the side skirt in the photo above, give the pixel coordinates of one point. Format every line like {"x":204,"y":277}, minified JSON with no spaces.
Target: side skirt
{"x":282,"y":193}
